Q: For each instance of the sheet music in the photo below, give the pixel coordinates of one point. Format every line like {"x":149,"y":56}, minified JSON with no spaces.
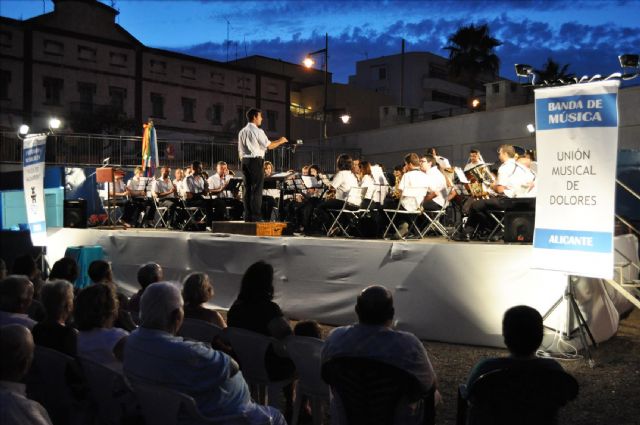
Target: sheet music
{"x":283,"y":174}
{"x":310,"y":182}
{"x":460,"y":175}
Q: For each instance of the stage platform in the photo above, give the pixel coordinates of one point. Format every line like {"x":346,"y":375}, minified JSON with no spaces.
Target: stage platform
{"x":444,"y":291}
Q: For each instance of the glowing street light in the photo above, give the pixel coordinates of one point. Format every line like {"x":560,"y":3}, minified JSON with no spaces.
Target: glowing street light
{"x":531,"y":128}
{"x":308,"y":62}
{"x":475,"y":103}
{"x":54,"y":123}
{"x":23,"y":130}
{"x":345,"y":118}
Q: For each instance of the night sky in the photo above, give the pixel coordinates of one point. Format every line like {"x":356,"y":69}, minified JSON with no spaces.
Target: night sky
{"x":588,"y":35}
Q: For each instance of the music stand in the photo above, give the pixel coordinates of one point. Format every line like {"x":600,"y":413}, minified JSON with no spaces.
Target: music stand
{"x":107,"y":175}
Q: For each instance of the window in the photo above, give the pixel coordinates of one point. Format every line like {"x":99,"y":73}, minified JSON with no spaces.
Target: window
{"x":188,"y":108}
{"x":496,"y":87}
{"x":214,"y":114}
{"x":158,"y":67}
{"x":438,"y":96}
{"x":385,"y":110}
{"x":87,"y":54}
{"x":244,"y":83}
{"x":5,"y":79}
{"x":382,"y":73}
{"x":401,"y":111}
{"x":272,"y":88}
{"x":514,"y":87}
{"x":189,"y":72}
{"x":6,"y":39}
{"x":437,"y":71}
{"x":53,"y":90}
{"x":86,"y":91}
{"x":157,"y":105}
{"x":272,"y":120}
{"x":117,"y":59}
{"x":217,"y":79}
{"x":53,"y":48}
{"x":117,"y":96}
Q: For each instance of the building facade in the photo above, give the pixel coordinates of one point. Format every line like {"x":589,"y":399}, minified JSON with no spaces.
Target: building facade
{"x":78,"y":64}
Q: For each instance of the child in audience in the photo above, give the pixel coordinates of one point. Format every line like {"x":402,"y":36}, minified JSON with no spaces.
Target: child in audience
{"x":309,"y":328}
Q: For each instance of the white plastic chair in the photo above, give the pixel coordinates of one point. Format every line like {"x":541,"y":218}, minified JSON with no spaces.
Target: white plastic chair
{"x":251,"y":348}
{"x":409,"y":195}
{"x":354,"y":199}
{"x":164,"y":406}
{"x":161,"y":213}
{"x":433,"y":217}
{"x":305,"y":353}
{"x":199,"y":330}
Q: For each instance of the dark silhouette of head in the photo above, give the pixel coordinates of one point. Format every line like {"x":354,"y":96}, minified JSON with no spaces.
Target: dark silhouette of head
{"x":257,"y":283}
{"x":375,"y":306}
{"x":522,"y":330}
{"x":149,"y":273}
{"x":99,"y":271}
{"x":65,"y":268}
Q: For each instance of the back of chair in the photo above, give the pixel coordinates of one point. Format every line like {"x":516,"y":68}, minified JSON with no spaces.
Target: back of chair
{"x":250,"y":347}
{"x":164,"y":406}
{"x":199,"y":330}
{"x":522,"y":395}
{"x":369,"y":390}
{"x":305,"y":353}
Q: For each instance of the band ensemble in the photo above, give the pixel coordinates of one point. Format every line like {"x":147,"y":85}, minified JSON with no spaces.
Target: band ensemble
{"x":306,"y":198}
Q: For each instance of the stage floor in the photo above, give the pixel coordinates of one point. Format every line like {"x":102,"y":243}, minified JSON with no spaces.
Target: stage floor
{"x":446,"y":291}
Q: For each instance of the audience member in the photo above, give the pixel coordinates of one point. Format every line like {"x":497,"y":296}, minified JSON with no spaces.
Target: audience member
{"x":16,"y":295}
{"x":197,"y":290}
{"x":52,"y":332}
{"x":374,"y":338}
{"x":65,"y":268}
{"x":154,"y":355}
{"x":16,"y":350}
{"x":522,"y":331}
{"x":147,"y":274}
{"x":26,"y":265}
{"x":309,"y":328}
{"x":98,"y":340}
{"x":100,"y":272}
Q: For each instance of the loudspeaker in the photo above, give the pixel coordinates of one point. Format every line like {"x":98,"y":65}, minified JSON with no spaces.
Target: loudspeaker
{"x":75,"y":213}
{"x":518,"y":226}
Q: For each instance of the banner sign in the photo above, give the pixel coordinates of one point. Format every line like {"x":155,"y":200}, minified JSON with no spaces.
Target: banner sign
{"x":33,"y":154}
{"x":577,"y":145}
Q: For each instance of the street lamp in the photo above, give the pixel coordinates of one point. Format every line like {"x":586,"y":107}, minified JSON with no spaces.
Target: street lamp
{"x":345,"y":118}
{"x":308,"y":62}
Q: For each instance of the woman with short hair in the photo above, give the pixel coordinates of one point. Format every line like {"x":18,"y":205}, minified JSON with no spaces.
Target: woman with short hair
{"x":197,"y":290}
{"x":53,"y":332}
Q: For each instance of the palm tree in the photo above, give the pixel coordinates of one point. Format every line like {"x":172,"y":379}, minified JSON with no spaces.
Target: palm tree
{"x":552,"y":71}
{"x":471,"y":54}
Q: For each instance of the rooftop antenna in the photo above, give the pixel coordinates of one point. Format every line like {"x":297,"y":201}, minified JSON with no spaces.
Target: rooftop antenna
{"x":44,"y":6}
{"x":245,"y":45}
{"x":228,"y":25}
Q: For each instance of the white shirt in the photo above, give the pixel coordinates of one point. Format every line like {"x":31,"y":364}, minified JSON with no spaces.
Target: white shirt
{"x":471,"y":165}
{"x":216,"y":182}
{"x":515,"y":179}
{"x":414,"y":186}
{"x":180,"y":186}
{"x":342,"y":182}
{"x":194,"y":184}
{"x":162,"y":186}
{"x":140,"y":184}
{"x":367,"y":181}
{"x":119,"y":185}
{"x":16,"y":408}
{"x":442,"y":162}
{"x":98,"y":344}
{"x":437,"y":184}
{"x":252,"y":142}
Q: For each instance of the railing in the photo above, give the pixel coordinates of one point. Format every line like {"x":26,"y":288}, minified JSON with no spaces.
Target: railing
{"x":622,"y":219}
{"x":90,"y":150}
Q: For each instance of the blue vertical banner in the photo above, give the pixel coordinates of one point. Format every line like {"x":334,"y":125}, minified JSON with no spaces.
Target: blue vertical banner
{"x":33,"y":167}
{"x":577,"y":146}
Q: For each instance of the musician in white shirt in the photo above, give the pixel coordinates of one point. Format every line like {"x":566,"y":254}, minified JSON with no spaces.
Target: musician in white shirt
{"x":223,"y":198}
{"x":270,"y":197}
{"x":165,"y":194}
{"x":341,"y":185}
{"x":475,"y":159}
{"x":179,"y":182}
{"x":436,"y":184}
{"x":138,"y":187}
{"x":196,"y":191}
{"x":513,"y":181}
{"x":412,"y":190}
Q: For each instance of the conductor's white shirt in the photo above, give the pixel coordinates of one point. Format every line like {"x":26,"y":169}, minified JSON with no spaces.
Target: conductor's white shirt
{"x":252,"y":142}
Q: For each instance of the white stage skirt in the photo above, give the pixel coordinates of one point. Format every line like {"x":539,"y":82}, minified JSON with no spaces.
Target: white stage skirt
{"x":443,"y":291}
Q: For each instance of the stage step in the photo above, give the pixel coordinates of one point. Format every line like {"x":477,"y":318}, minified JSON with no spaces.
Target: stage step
{"x":268,"y":228}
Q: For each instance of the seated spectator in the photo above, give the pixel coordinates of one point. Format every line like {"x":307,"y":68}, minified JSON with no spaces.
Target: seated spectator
{"x":147,"y":274}
{"x":309,"y":328}
{"x":98,"y":340}
{"x":255,"y":310}
{"x":52,"y":332}
{"x":196,"y":290}
{"x":154,"y":355}
{"x":16,"y":295}
{"x":16,"y":350}
{"x":65,"y":268}
{"x":100,"y":272}
{"x":374,"y":338}
{"x":26,"y":265}
{"x":522,"y":331}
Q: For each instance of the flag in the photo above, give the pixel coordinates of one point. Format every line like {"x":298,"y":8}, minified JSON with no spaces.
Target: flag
{"x":149,"y":150}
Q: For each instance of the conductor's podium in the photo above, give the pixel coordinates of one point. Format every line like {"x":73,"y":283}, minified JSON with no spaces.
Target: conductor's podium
{"x":267,"y":228}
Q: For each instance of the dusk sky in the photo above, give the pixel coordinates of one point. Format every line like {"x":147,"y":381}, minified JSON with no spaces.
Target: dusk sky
{"x":588,"y":35}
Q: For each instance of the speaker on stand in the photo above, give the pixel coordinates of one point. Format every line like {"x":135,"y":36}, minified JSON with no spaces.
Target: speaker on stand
{"x":75,"y":213}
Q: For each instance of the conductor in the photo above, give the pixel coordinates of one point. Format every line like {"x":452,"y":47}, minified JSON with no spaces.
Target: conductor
{"x":252,"y":144}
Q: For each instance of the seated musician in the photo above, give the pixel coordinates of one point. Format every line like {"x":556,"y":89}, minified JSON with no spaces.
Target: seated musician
{"x":165,"y":193}
{"x":443,"y":163}
{"x":137,"y":187}
{"x":223,"y":198}
{"x":119,"y":197}
{"x":368,"y":182}
{"x":311,"y":198}
{"x":436,"y":185}
{"x":196,"y":189}
{"x":355,"y":168}
{"x":270,"y":197}
{"x":514,"y":181}
{"x":178,"y":182}
{"x":413,"y":178}
{"x":343,"y":181}
{"x":475,"y":159}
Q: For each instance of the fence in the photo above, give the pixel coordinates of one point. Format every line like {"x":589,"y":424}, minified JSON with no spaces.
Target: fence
{"x":90,"y":150}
